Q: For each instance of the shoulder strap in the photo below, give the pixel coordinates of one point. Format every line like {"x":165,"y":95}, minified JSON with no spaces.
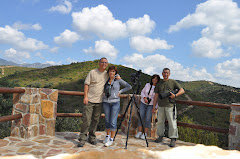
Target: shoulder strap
{"x":107,"y":81}
{"x":149,"y":89}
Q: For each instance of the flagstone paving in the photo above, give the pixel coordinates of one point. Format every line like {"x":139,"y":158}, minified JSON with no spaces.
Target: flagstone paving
{"x":66,"y":143}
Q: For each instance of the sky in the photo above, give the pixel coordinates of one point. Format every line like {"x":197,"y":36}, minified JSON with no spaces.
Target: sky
{"x":196,"y":39}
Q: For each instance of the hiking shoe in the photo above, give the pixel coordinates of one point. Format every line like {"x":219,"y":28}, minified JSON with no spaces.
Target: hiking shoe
{"x":107,"y":138}
{"x":93,"y":142}
{"x":143,"y":136}
{"x":159,"y":139}
{"x":109,"y":143}
{"x":173,"y":142}
{"x":138,"y":135}
{"x":81,"y":143}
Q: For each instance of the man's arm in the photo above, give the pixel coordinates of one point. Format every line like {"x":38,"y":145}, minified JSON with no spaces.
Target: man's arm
{"x":180,"y":92}
{"x":85,"y":99}
{"x":155,"y":100}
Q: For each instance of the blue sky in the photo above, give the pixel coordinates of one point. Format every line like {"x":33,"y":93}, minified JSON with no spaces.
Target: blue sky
{"x":196,"y":39}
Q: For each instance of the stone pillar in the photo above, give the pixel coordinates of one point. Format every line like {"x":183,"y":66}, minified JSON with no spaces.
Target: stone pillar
{"x":234,"y":128}
{"x":38,"y":107}
{"x":134,"y":119}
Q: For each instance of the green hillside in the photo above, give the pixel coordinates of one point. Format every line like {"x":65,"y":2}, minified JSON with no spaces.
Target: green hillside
{"x":211,"y":92}
{"x":8,"y":70}
{"x":71,"y":77}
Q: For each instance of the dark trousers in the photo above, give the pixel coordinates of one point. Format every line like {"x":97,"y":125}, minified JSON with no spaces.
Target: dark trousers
{"x":90,"y":118}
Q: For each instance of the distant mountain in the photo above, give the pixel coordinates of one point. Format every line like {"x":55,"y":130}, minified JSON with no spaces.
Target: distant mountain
{"x":34,"y":65}
{"x":5,"y":63}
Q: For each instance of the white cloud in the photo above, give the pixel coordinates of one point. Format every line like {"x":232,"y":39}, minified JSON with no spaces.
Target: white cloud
{"x":37,"y":26}
{"x":228,"y":72}
{"x":102,"y":48}
{"x":148,"y":45}
{"x":15,"y":56}
{"x":54,"y":49}
{"x":98,"y":21}
{"x":140,"y":26}
{"x":13,"y":37}
{"x":205,"y":47}
{"x":20,"y":26}
{"x":38,"y":54}
{"x":67,"y":38}
{"x":64,"y":8}
{"x":221,"y":21}
{"x":155,"y":63}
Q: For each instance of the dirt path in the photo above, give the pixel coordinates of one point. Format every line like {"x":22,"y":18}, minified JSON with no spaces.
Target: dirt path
{"x":2,"y":67}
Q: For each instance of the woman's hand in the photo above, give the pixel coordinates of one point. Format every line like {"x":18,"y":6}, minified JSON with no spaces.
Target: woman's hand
{"x":154,"y":110}
{"x":145,"y":100}
{"x":117,"y":77}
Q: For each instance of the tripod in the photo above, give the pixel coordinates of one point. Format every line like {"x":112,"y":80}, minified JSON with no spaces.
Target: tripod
{"x":129,"y":121}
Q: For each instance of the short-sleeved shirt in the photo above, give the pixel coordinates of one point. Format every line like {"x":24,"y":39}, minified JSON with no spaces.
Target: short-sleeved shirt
{"x":165,"y":87}
{"x":96,"y":80}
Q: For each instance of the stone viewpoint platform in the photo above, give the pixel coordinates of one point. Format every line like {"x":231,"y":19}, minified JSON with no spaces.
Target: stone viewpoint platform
{"x":66,"y":143}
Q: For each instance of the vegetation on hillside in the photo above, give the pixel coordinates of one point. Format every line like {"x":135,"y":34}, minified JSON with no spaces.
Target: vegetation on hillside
{"x":71,"y":77}
{"x":9,"y":70}
{"x":197,"y":136}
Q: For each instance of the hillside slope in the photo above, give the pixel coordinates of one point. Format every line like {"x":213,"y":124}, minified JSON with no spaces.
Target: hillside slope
{"x":9,"y":70}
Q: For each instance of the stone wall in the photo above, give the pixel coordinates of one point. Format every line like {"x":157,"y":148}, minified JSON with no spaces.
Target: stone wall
{"x":234,"y":128}
{"x":134,"y":118}
{"x":38,"y":107}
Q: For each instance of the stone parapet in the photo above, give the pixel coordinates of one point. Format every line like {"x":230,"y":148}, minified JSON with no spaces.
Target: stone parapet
{"x":134,"y":118}
{"x":38,"y":107}
{"x":234,"y":128}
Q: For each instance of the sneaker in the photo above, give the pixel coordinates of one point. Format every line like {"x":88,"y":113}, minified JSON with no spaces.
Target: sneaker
{"x":173,"y":142}
{"x":159,"y":139}
{"x":143,"y":136}
{"x":109,"y":143}
{"x":81,"y":143}
{"x":107,"y":138}
{"x":138,"y":135}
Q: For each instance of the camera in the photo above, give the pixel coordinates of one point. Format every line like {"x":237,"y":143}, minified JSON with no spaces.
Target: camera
{"x":116,"y":75}
{"x":165,"y":95}
{"x":107,"y":90}
{"x":135,"y":77}
{"x":149,"y":100}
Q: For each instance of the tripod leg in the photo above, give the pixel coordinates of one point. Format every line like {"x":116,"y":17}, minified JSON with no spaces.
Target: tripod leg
{"x":129,"y":122}
{"x":141,"y":120}
{"x":123,"y":118}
